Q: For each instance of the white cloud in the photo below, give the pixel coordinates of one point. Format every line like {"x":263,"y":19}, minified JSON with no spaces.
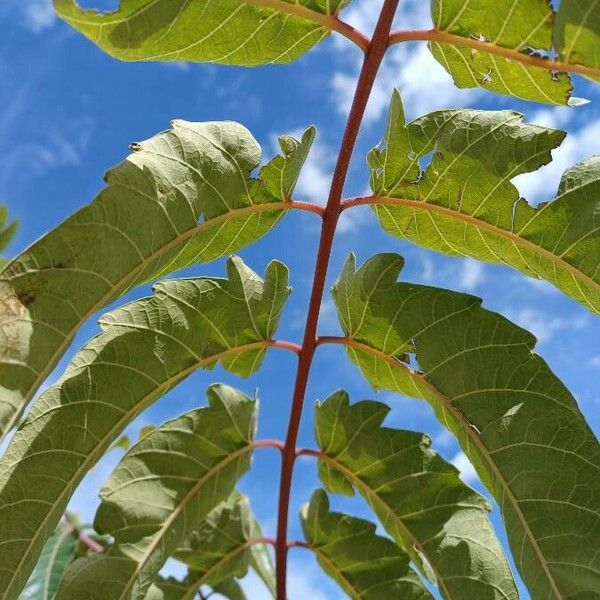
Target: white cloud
{"x":579,"y":145}
{"x":422,"y":81}
{"x":34,"y":15}
{"x":463,"y":464}
{"x":353,"y":219}
{"x":545,"y":326}
{"x":315,"y":178}
{"x":57,"y":146}
{"x":595,"y":361}
{"x":471,"y":274}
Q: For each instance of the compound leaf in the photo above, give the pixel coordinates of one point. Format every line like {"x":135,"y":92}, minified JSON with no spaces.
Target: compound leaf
{"x":145,"y":349}
{"x":58,"y":552}
{"x":143,"y":225}
{"x":464,"y":204}
{"x":440,"y":522}
{"x":249,"y":32}
{"x":365,"y":565}
{"x":166,"y":487}
{"x":516,"y":422}
{"x":486,"y":44}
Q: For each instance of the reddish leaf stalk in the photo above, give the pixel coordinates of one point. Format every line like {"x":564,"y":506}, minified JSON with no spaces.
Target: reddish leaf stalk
{"x":436,"y":35}
{"x":373,"y":56}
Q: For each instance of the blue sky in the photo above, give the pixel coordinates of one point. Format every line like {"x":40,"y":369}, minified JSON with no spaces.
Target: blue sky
{"x":68,"y":113}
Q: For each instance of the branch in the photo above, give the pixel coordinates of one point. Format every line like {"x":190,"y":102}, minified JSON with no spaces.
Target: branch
{"x":436,"y":35}
{"x":373,"y":57}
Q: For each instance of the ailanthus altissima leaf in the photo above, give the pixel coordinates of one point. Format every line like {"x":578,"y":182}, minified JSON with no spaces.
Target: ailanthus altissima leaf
{"x":577,"y":33}
{"x":185,"y":195}
{"x":440,"y":522}
{"x":157,"y":503}
{"x":58,"y":552}
{"x":464,"y":203}
{"x":238,"y":32}
{"x":366,"y":566}
{"x":145,"y":349}
{"x":230,"y":589}
{"x":479,"y":44}
{"x":7,"y":230}
{"x":517,"y":423}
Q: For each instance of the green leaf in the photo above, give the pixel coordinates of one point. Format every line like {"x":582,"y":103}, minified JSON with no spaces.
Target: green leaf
{"x":577,"y":33}
{"x":252,"y":32}
{"x":169,"y":588}
{"x":230,"y":589}
{"x":7,"y":231}
{"x":464,"y":204}
{"x":221,"y":547}
{"x":145,"y":349}
{"x":365,"y":565}
{"x":516,"y":422}
{"x":165,"y":487}
{"x":261,"y":560}
{"x":440,"y":522}
{"x":58,"y":552}
{"x":185,"y":195}
{"x":506,"y":24}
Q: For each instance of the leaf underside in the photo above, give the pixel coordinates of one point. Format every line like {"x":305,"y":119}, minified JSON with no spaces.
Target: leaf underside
{"x":365,"y":565}
{"x":145,"y":349}
{"x":525,"y":27}
{"x":235,"y":32}
{"x":7,"y":231}
{"x":184,"y":196}
{"x":440,"y":522}
{"x":58,"y":552}
{"x":158,"y":501}
{"x":516,"y":422}
{"x":464,"y":204}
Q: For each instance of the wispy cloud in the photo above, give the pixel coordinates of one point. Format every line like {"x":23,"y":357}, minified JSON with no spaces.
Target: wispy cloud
{"x":580,"y":144}
{"x":471,"y":274}
{"x":463,"y":464}
{"x":60,"y":145}
{"x":543,"y":325}
{"x":34,"y":15}
{"x":405,"y":67}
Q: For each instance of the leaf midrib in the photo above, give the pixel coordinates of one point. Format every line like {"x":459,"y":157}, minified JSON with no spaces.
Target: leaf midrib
{"x":89,"y":461}
{"x":327,"y":21}
{"x":175,"y":513}
{"x":439,"y":36}
{"x":463,"y":217}
{"x":370,"y":493}
{"x":473,"y":437}
{"x":50,"y":363}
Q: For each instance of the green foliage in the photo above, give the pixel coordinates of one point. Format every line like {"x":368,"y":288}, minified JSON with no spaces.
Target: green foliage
{"x":417,"y":496}
{"x":480,"y":375}
{"x":151,"y":344}
{"x":191,"y":195}
{"x":253,"y":32}
{"x":7,"y":230}
{"x":577,"y":33}
{"x":365,"y":565}
{"x":192,"y":189}
{"x":157,"y":495}
{"x":521,"y":27}
{"x":56,"y":555}
{"x":464,"y":203}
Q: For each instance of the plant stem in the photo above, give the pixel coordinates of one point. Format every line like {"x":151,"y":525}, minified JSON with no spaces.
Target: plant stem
{"x":436,"y":35}
{"x":373,"y":56}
